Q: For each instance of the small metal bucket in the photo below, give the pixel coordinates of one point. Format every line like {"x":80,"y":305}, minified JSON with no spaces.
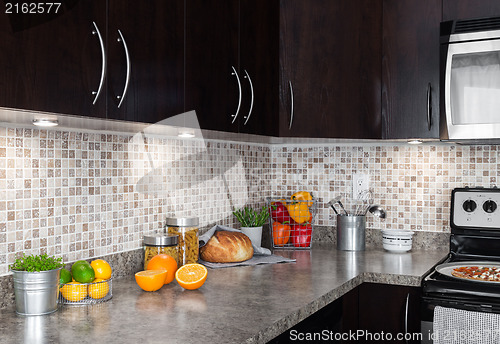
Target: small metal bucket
{"x":351,"y":232}
{"x":36,"y":292}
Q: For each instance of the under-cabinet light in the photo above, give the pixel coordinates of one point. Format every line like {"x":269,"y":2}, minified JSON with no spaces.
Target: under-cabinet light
{"x":414,"y":142}
{"x":186,"y":134}
{"x":45,"y":122}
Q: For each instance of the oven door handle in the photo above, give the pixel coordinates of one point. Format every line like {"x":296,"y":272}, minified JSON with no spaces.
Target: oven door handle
{"x":407,"y":306}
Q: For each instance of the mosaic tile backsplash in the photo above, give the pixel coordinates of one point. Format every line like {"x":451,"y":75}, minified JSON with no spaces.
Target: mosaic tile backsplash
{"x":81,"y":195}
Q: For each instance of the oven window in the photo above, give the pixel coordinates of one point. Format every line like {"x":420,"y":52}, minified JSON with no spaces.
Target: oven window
{"x":475,"y":88}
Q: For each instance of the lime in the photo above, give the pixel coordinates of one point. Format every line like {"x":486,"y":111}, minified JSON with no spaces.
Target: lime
{"x":82,"y":272}
{"x":65,"y":276}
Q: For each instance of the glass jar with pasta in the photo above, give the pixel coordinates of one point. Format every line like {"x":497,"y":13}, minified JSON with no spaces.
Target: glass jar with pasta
{"x":187,"y":230}
{"x":160,"y":244}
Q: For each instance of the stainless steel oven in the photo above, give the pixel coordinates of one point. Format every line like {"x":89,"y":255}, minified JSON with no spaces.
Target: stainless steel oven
{"x":474,"y":239}
{"x":470,"y":80}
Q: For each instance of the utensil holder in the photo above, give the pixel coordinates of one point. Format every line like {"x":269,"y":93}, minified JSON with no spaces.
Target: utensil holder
{"x":351,"y":232}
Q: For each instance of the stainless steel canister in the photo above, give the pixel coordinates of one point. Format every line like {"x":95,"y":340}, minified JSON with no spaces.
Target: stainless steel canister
{"x":351,"y":232}
{"x":36,"y":292}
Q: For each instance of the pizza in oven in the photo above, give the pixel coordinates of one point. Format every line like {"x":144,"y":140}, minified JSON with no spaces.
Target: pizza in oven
{"x":478,"y":273}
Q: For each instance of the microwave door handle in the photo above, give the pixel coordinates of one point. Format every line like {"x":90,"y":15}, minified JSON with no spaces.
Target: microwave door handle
{"x":429,"y":106}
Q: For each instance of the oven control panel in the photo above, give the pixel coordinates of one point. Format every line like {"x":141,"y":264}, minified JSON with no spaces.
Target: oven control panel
{"x":476,"y":208}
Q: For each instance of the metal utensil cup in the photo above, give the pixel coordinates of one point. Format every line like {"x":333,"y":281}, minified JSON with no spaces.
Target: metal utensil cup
{"x":351,"y":232}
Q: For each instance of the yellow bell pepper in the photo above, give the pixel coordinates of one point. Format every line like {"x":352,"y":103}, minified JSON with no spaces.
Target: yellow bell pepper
{"x":303,"y":196}
{"x":299,"y":212}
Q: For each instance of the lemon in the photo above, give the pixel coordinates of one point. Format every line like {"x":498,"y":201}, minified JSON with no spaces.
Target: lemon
{"x":101,"y":268}
{"x":74,"y":291}
{"x":82,"y":272}
{"x":98,"y":289}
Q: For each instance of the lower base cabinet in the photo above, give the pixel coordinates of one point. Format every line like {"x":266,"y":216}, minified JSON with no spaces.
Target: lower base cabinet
{"x":370,"y":313}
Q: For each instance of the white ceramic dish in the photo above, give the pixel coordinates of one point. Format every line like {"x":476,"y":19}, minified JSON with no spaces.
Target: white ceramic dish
{"x":397,"y":240}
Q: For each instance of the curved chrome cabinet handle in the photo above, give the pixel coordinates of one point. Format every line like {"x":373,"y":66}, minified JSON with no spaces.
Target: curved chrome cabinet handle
{"x":429,"y":106}
{"x":247,"y":117}
{"x":291,"y":105}
{"x":127,"y":80}
{"x":239,"y":89}
{"x":103,"y":67}
{"x":407,"y":306}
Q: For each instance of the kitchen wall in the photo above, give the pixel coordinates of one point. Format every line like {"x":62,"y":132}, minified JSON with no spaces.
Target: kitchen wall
{"x":80,"y":194}
{"x":85,"y":194}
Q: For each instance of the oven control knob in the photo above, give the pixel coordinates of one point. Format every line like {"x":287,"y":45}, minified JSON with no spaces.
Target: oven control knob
{"x":469,"y":206}
{"x":489,"y":206}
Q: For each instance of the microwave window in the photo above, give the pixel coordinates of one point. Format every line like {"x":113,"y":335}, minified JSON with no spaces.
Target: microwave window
{"x":475,"y":88}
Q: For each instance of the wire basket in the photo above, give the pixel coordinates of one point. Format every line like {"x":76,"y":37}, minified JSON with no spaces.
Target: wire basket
{"x":300,"y":215}
{"x":86,"y":293}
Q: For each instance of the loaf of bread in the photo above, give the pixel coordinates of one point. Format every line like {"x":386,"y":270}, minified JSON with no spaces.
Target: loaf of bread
{"x":227,"y":247}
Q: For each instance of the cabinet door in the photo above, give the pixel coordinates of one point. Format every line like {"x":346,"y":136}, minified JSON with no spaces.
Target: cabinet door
{"x":467,"y":9}
{"x":330,"y":61}
{"x":410,"y":69}
{"x":146,"y":59}
{"x":259,"y":35}
{"x":389,"y":309}
{"x":52,"y":62}
{"x":213,"y":81}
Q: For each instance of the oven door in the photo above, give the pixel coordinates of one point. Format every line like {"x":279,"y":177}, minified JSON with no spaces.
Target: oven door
{"x":472,"y":89}
{"x":470,"y":303}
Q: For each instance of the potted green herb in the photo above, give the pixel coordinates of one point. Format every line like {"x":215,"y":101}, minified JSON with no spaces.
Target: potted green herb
{"x":36,"y":283}
{"x":251,"y":222}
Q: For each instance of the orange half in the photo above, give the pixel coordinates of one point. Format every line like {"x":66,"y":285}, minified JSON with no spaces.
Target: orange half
{"x":191,"y":276}
{"x":151,"y":280}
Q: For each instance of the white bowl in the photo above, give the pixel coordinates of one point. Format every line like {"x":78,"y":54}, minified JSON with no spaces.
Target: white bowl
{"x":395,"y":240}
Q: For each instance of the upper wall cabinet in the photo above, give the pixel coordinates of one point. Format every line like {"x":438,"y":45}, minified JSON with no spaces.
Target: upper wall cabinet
{"x":145,"y":59}
{"x":330,"y":68}
{"x":259,"y":66}
{"x":467,"y":9}
{"x":79,"y":60}
{"x":55,"y":61}
{"x":231,"y":64}
{"x":213,"y":80}
{"x":410,"y":69}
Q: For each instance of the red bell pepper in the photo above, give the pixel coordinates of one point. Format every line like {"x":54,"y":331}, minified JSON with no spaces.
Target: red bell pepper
{"x":301,"y":235}
{"x":279,"y":213}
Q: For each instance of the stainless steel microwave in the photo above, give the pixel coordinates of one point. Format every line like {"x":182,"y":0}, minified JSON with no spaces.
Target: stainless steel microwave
{"x":470,"y":81}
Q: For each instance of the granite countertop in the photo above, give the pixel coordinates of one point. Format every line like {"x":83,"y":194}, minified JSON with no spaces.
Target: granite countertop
{"x":235,"y":305}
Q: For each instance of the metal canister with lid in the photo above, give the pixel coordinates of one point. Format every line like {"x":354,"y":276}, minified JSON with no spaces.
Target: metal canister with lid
{"x":160,"y":243}
{"x":187,"y":230}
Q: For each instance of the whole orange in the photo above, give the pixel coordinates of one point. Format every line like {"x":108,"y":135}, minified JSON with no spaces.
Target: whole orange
{"x":164,"y":262}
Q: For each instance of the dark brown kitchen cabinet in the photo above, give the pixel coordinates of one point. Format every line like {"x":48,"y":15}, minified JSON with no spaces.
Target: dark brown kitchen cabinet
{"x":410,"y":69}
{"x":468,"y":9}
{"x":213,"y":81}
{"x":231,"y":64}
{"x":146,"y":60}
{"x":53,"y":62}
{"x":92,"y":54}
{"x":330,"y":68}
{"x":381,"y":308}
{"x":259,"y":66}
